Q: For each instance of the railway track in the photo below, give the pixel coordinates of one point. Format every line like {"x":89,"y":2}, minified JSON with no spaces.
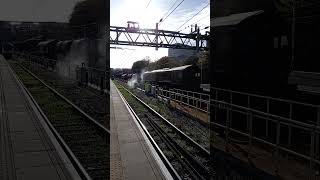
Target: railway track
{"x":90,"y":100}
{"x":193,"y":128}
{"x":84,"y":139}
{"x":190,"y":160}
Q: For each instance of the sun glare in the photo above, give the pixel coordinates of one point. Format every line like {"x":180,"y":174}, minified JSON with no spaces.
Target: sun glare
{"x":137,"y":11}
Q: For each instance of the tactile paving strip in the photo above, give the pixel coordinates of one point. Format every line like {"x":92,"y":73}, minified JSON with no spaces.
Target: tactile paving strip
{"x":115,"y":159}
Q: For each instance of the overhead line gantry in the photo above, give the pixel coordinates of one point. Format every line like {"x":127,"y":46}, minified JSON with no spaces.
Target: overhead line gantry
{"x":158,"y":38}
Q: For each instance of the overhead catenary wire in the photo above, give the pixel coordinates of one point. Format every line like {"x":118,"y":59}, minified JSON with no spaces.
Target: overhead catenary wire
{"x":148,"y":4}
{"x":162,"y":20}
{"x":196,"y":23}
{"x":168,"y":10}
{"x":192,"y":17}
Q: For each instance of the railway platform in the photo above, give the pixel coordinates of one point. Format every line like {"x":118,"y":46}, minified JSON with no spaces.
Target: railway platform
{"x":28,"y":149}
{"x":132,"y":155}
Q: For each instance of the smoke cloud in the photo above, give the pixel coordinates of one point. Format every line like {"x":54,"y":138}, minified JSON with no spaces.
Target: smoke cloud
{"x":78,"y":54}
{"x":131,"y":82}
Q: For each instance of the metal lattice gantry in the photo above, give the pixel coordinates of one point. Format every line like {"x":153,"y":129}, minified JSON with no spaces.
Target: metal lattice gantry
{"x":158,"y":38}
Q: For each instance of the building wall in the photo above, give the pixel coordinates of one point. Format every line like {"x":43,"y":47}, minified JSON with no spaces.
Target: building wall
{"x":181,"y":54}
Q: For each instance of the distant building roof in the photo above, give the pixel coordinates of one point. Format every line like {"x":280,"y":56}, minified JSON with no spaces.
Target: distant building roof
{"x":233,"y":19}
{"x":180,"y":68}
{"x":132,"y":22}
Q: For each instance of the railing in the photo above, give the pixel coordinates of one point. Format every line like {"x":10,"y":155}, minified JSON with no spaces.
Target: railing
{"x":193,"y":94}
{"x":269,"y":121}
{"x":195,"y":100}
{"x":94,"y":77}
{"x":281,"y":107}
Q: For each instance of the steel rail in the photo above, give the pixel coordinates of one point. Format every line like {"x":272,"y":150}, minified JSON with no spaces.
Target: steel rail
{"x":74,"y":160}
{"x":88,"y":117}
{"x":172,"y":171}
{"x":204,"y":151}
{"x":191,"y":162}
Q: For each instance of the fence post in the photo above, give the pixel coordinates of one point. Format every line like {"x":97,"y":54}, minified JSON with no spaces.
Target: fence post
{"x":193,"y":99}
{"x":101,"y":85}
{"x":82,"y":74}
{"x":248,"y":103}
{"x":215,"y":105}
{"x":227,"y":129}
{"x":267,"y":122}
{"x":289,"y":127}
{"x":250,"y":133}
{"x":231,"y":102}
{"x":91,"y":78}
{"x":87,"y":78}
{"x":277,"y":146}
{"x":312,"y":148}
{"x":317,"y":135}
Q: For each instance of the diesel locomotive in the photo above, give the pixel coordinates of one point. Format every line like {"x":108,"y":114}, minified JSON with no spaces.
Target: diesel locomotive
{"x":183,"y":77}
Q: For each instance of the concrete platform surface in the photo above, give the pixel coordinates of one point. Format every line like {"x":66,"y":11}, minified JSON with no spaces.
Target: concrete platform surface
{"x":28,"y":149}
{"x":132,"y":156}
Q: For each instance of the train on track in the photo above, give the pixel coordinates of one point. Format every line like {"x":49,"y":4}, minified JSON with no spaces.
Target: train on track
{"x":183,"y":77}
{"x":187,"y":77}
{"x":50,"y":49}
{"x":47,"y":48}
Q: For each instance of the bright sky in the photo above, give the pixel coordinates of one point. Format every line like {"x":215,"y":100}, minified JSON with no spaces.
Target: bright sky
{"x":135,"y":10}
{"x":36,"y":10}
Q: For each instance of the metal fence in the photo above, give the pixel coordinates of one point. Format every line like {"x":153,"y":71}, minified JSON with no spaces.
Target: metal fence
{"x":285,"y":126}
{"x":195,"y":100}
{"x":94,"y":77}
